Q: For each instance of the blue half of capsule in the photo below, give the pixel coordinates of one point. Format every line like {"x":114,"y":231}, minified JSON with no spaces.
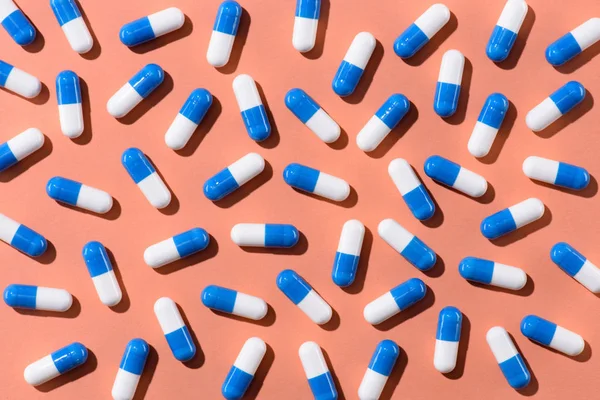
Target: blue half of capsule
{"x":29,"y":241}
{"x":21,"y":296}
{"x":538,"y":329}
{"x":476,"y":269}
{"x":301,"y":177}
{"x":494,"y":110}
{"x":384,"y":358}
{"x":567,"y":258}
{"x":147,"y":79}
{"x":192,"y":241}
{"x":69,"y":357}
{"x":135,"y":356}
{"x":293,"y":285}
{"x":408,"y":293}
{"x":63,"y":190}
{"x":568,"y":96}
{"x":68,"y":90}
{"x":393,"y":110}
{"x":228,"y":18}
{"x":346,"y":78}
{"x":563,"y":50}
{"x":449,"y":324}
{"x":137,"y":164}
{"x":19,"y":28}
{"x":281,"y":235}
{"x":308,"y":9}
{"x":410,"y":41}
{"x":500,"y":44}
{"x":445,"y":102}
{"x":572,"y":176}
{"x":96,"y":259}
{"x":219,"y":298}
{"x":442,"y":170}
{"x":196,"y":106}
{"x":301,"y":104}
{"x":65,"y":10}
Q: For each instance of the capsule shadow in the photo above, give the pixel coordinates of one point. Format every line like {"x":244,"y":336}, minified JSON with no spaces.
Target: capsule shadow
{"x":28,"y":162}
{"x":341,"y":142}
{"x":398,"y":132}
{"x":198,"y":360}
{"x":438,"y":268}
{"x":149,"y":102}
{"x":86,"y":108}
{"x":147,"y":375}
{"x":409,"y":313}
{"x":363,"y":265}
{"x":196,"y":258}
{"x":125,"y":303}
{"x":72,"y":312}
{"x":434,"y":44}
{"x":517,"y":50}
{"x":49,"y":255}
{"x":297,"y":250}
{"x":317,"y":51}
{"x":41,"y":98}
{"x":246,"y":189}
{"x":203,"y":129}
{"x":525,"y":291}
{"x":525,"y":231}
{"x":395,"y":376}
{"x":336,"y":380}
{"x":268,"y":319}
{"x":588,"y":192}
{"x":533,"y":386}
{"x":87,"y":368}
{"x":333,"y":323}
{"x":273,"y":140}
{"x":260,"y":374}
{"x":238,"y":45}
{"x":502,"y":136}
{"x":96,"y":49}
{"x":579,"y":111}
{"x":463,"y":101}
{"x":164,"y":40}
{"x":463,"y":348}
{"x":367,"y":78}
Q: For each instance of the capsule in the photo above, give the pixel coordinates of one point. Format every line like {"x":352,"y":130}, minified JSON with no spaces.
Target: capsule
{"x":315,"y":367}
{"x":37,"y":298}
{"x":510,"y":361}
{"x":177,"y":247}
{"x":102,"y":273}
{"x":408,"y":245}
{"x":306,"y":23}
{"x":444,"y":171}
{"x":558,"y":104}
{"x":492,"y":273}
{"x":144,"y":175}
{"x":512,"y":218}
{"x":231,"y":178}
{"x":223,"y":34}
{"x":304,"y":296}
{"x":19,"y":81}
{"x":130,"y":370}
{"x":422,"y":30}
{"x":413,"y":191}
{"x":574,"y":42}
{"x":380,"y":368}
{"x":576,"y":266}
{"x":253,"y":111}
{"x":314,"y":181}
{"x":137,"y":89}
{"x":176,"y":332}
{"x":151,"y":26}
{"x":16,"y":23}
{"x":397,"y":299}
{"x":347,"y":256}
{"x":447,"y":90}
{"x":55,"y":364}
{"x":21,"y":237}
{"x":354,"y":63}
{"x":70,"y":113}
{"x":488,"y":124}
{"x":19,"y":147}
{"x":240,"y":376}
{"x":506,"y":30}
{"x":72,"y":24}
{"x":187,"y":120}
{"x":312,"y":115}
{"x":383,"y":122}
{"x":233,"y":302}
{"x":79,"y":195}
{"x":265,"y":235}
{"x":554,"y":336}
{"x":556,"y":173}
{"x":447,"y":339}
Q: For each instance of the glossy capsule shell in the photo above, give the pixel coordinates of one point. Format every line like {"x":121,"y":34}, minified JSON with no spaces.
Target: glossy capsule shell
{"x":223,"y":35}
{"x":304,"y":296}
{"x":233,"y":302}
{"x":19,"y":81}
{"x":453,"y":175}
{"x":408,"y":245}
{"x":306,"y":22}
{"x":16,"y":23}
{"x":447,"y":338}
{"x":54,"y":364}
{"x":242,"y":372}
{"x":492,"y":273}
{"x":19,"y":147}
{"x":574,"y":42}
{"x":177,"y":247}
{"x":558,"y":104}
{"x":314,"y":181}
{"x":312,"y":115}
{"x":506,"y":30}
{"x":512,"y":218}
{"x":152,"y":26}
{"x":37,"y":298}
{"x":231,"y":178}
{"x":396,"y":300}
{"x":447,"y":90}
{"x":176,"y":332}
{"x":554,"y":336}
{"x":102,"y":273}
{"x":380,"y":368}
{"x":574,"y":264}
{"x":265,"y":235}
{"x":130,"y":370}
{"x":317,"y":372}
{"x":188,"y":118}
{"x":79,"y":195}
{"x":510,"y":361}
{"x":69,"y":18}
{"x":354,"y":63}
{"x":144,"y":175}
{"x":488,"y":124}
{"x":420,"y":32}
{"x":135,"y":90}
{"x":556,"y":173}
{"x":21,"y":237}
{"x":70,"y":112}
{"x":383,"y":122}
{"x":412,"y":190}
{"x":254,"y":114}
{"x":347,"y":256}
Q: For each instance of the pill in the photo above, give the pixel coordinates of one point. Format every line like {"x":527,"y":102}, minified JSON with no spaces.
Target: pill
{"x":413,"y":191}
{"x":21,"y":237}
{"x":510,"y":361}
{"x":19,"y":147}
{"x":242,"y":372}
{"x":304,"y":296}
{"x":37,"y":298}
{"x":19,"y":81}
{"x":380,"y":368}
{"x":16,"y":23}
{"x":176,"y":247}
{"x":354,"y":63}
{"x":233,"y":302}
{"x":554,"y":336}
{"x":558,"y":104}
{"x":79,"y":195}
{"x":492,"y":273}
{"x":223,"y":34}
{"x":449,"y":173}
{"x":447,"y":339}
{"x":176,"y":332}
{"x":574,"y":42}
{"x":512,"y":218}
{"x":576,"y":265}
{"x":422,"y":30}
{"x":152,"y":26}
{"x":306,"y":22}
{"x":314,"y":181}
{"x":144,"y":175}
{"x":187,"y":120}
{"x":231,"y":178}
{"x":252,"y":109}
{"x":137,"y":89}
{"x":72,"y":24}
{"x":506,"y":30}
{"x":408,"y":245}
{"x":347,"y":256}
{"x":265,"y":235}
{"x":131,"y":368}
{"x":397,"y":299}
{"x":312,"y":115}
{"x":489,"y":122}
{"x":383,"y":122}
{"x":556,"y":173}
{"x":101,"y":270}
{"x":447,"y":90}
{"x":70,"y":113}
{"x":55,"y":364}
{"x":315,"y":367}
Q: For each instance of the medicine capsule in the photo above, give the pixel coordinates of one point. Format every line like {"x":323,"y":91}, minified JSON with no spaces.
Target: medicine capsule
{"x":19,"y":147}
{"x":419,"y":33}
{"x":556,"y":173}
{"x":576,"y":265}
{"x":558,"y":104}
{"x":397,"y":299}
{"x":37,"y":298}
{"x":574,"y":42}
{"x":21,"y":237}
{"x":506,"y":30}
{"x":380,"y":368}
{"x":72,"y":24}
{"x":79,"y":195}
{"x":102,"y":273}
{"x":383,"y":122}
{"x":141,"y":170}
{"x":314,"y":181}
{"x":19,"y":81}
{"x":233,"y":302}
{"x":187,"y":120}
{"x":512,"y":218}
{"x":413,"y":191}
{"x":55,"y":364}
{"x":315,"y":367}
{"x":354,"y":63}
{"x":510,"y":361}
{"x":447,"y":90}
{"x":176,"y":332}
{"x":177,"y":247}
{"x":306,"y":22}
{"x":252,"y":109}
{"x":312,"y":115}
{"x":265,"y":235}
{"x":240,"y":376}
{"x":223,"y":34}
{"x":447,"y":339}
{"x":492,"y":273}
{"x":152,"y":26}
{"x":488,"y":124}
{"x":70,"y":113}
{"x":304,"y":296}
{"x":130,"y":370}
{"x":16,"y":23}
{"x":549,"y":334}
{"x":408,"y":245}
{"x":347,"y":256}
{"x":444,"y":171}
{"x":137,"y":89}
{"x":231,"y":178}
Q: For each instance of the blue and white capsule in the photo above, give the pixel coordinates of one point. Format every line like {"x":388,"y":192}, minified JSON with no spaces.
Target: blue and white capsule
{"x":55,"y":364}
{"x":314,"y":181}
{"x":488,"y":124}
{"x":19,"y":81}
{"x":176,"y":332}
{"x":130,"y":370}
{"x":37,"y":298}
{"x":447,"y":339}
{"x":70,"y":113}
{"x":317,"y":372}
{"x":242,"y":372}
{"x":19,"y":147}
{"x":231,"y":178}
{"x":397,"y":299}
{"x":506,"y":30}
{"x":152,"y":26}
{"x":177,"y":247}
{"x":187,"y":120}
{"x":141,"y":170}
{"x":510,"y":361}
{"x":380,"y":368}
{"x":265,"y":235}
{"x":492,"y":273}
{"x":447,"y":90}
{"x":383,"y":122}
{"x":408,"y":245}
{"x":69,"y":18}
{"x":512,"y":218}
{"x":21,"y":237}
{"x":252,"y":109}
{"x":233,"y":302}
{"x":79,"y":195}
{"x":304,"y":296}
{"x":413,"y":191}
{"x":574,"y":42}
{"x":459,"y":178}
{"x":16,"y":23}
{"x":554,"y":336}
{"x":419,"y":33}
{"x":576,"y":266}
{"x":558,"y":104}
{"x":347,"y":256}
{"x":102,"y":273}
{"x":135,"y":90}
{"x":306,"y":23}
{"x":223,"y":34}
{"x":354,"y":63}
{"x":556,"y":173}
{"x":312,"y":115}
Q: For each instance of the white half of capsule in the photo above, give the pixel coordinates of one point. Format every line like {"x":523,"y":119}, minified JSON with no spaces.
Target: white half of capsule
{"x":180,"y":132}
{"x":108,"y":289}
{"x":26,"y":142}
{"x":22,"y":83}
{"x":501,"y":344}
{"x":567,"y":342}
{"x":7,"y":7}
{"x":589,"y":276}
{"x":248,"y":235}
{"x":481,"y":140}
{"x":360,"y":50}
{"x":161,"y":253}
{"x":41,"y":371}
{"x":451,"y":69}
{"x":125,"y":385}
{"x":316,"y":308}
{"x":71,"y":119}
{"x":78,"y":35}
{"x":541,"y":169}
{"x":8,"y":228}
{"x":251,"y":307}
{"x":527,"y":211}
{"x":122,"y":102}
{"x":251,"y":355}
{"x":394,"y":234}
{"x":508,"y":277}
{"x":371,"y":385}
{"x":470,"y":183}
{"x":403,"y":175}
{"x":433,"y":19}
{"x":94,"y":200}
{"x":51,"y":299}
{"x":246,"y":92}
{"x":542,"y":115}
{"x":351,"y":239}
{"x":219,"y":48}
{"x":372,"y":134}
{"x":155,"y":190}
{"x":587,"y":33}
{"x":247,"y":168}
{"x":305,"y":33}
{"x":324,"y":126}
{"x":166,"y":21}
{"x":332,"y":187}
{"x":168,"y":315}
{"x":512,"y":16}
{"x":444,"y":355}
{"x":312,"y":360}
{"x":381,"y":309}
